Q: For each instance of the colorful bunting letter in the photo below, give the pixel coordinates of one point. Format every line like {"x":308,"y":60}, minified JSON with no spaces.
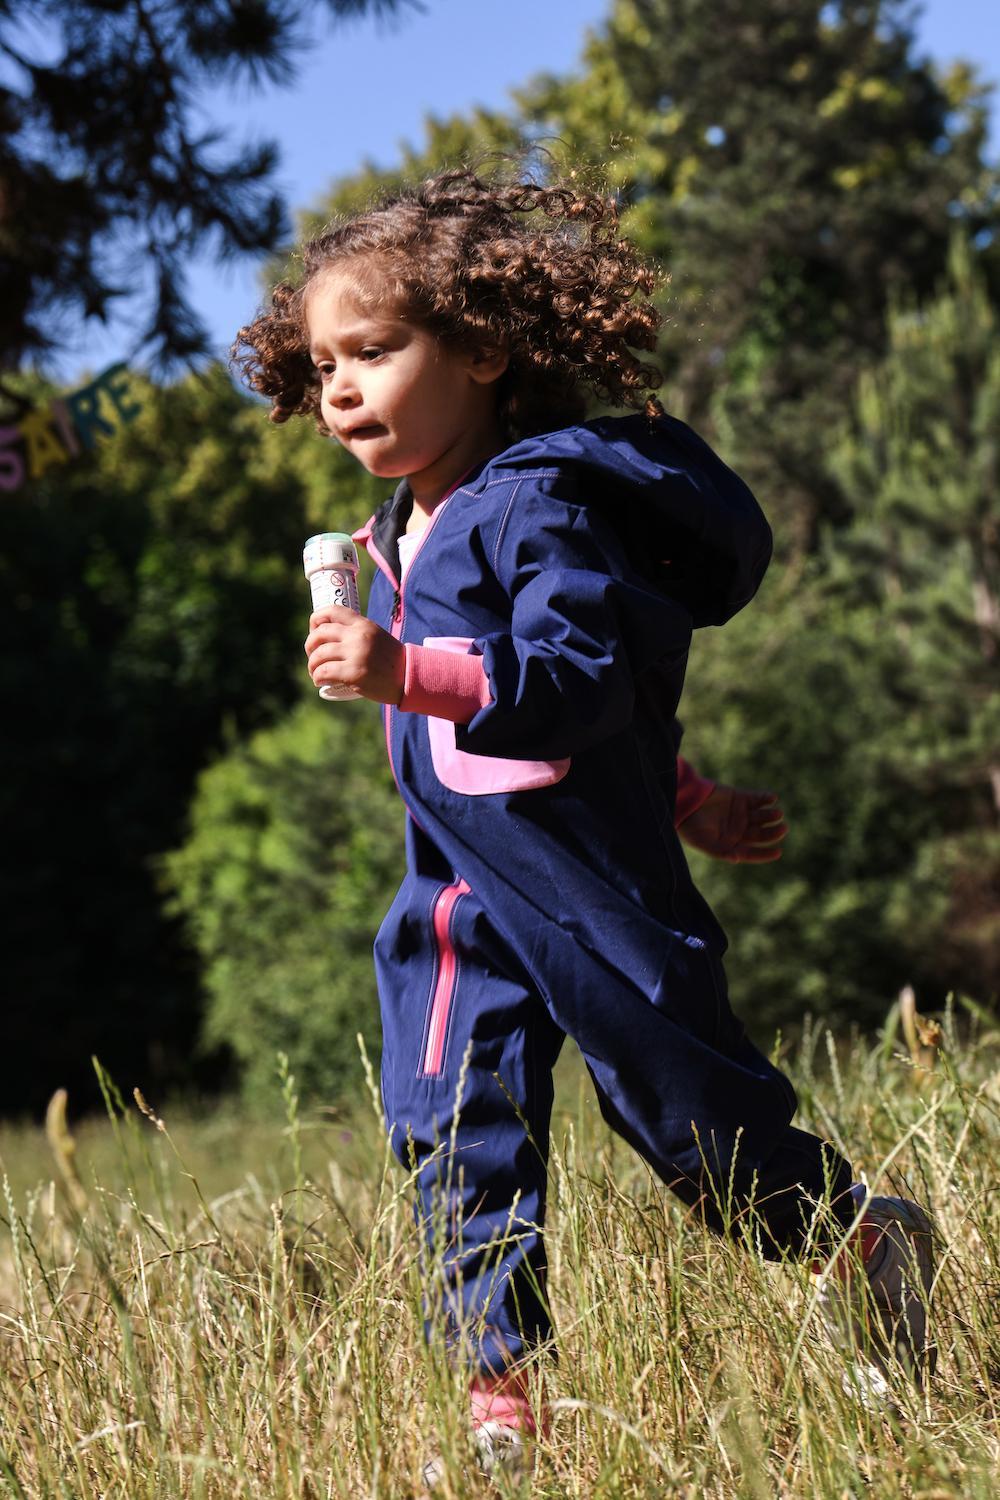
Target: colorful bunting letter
{"x":61,"y":430}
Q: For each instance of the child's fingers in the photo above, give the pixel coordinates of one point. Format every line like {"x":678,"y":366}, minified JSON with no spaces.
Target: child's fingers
{"x":332,"y":614}
{"x":764,"y":832}
{"x":328,"y":631}
{"x":763,"y":810}
{"x":762,"y":835}
{"x":778,"y":821}
{"x":766,"y":838}
{"x":327,"y":653}
{"x":760,"y":801}
{"x":337,"y":671}
{"x":758,"y":825}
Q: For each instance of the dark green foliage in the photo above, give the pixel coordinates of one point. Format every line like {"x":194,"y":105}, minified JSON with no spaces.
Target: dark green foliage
{"x":800,"y":172}
{"x":791,"y":163}
{"x":864,"y":689}
{"x":106,"y":178}
{"x":294,"y":855}
{"x":151,"y":605}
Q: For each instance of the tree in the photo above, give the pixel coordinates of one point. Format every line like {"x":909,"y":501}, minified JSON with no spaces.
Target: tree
{"x":152,"y":605}
{"x":152,"y":611}
{"x":793,"y":164}
{"x":106,"y":180}
{"x":864,"y":686}
{"x":923,"y":553}
{"x":294,"y":855}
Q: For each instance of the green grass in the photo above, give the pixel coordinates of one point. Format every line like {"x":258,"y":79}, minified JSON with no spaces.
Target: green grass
{"x":234,"y":1310}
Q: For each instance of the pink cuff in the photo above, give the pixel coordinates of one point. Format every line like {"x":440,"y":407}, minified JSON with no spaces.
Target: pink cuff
{"x":445,"y":684}
{"x":503,"y":1399}
{"x":692,"y":791}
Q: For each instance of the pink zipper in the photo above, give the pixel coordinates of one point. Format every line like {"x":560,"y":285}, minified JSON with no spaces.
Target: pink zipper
{"x":446,"y":977}
{"x":396,"y":623}
{"x":446,"y":981}
{"x":365,"y":536}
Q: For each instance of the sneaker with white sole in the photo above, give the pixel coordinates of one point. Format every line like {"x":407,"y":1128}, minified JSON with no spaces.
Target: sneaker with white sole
{"x":503,"y":1431}
{"x":501,"y":1451}
{"x":882,"y":1316}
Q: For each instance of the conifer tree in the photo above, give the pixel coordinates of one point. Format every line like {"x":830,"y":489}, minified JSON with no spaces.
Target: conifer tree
{"x":923,"y":557}
{"x":792,"y":163}
{"x":107,"y":179}
{"x":864,"y":685}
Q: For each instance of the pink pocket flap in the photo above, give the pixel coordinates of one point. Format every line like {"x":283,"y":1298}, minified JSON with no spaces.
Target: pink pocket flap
{"x":480,"y":775}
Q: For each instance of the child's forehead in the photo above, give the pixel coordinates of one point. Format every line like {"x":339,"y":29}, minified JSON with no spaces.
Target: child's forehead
{"x":352,"y":294}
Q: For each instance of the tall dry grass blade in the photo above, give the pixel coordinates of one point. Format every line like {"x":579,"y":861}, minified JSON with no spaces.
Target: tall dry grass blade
{"x":64,"y":1150}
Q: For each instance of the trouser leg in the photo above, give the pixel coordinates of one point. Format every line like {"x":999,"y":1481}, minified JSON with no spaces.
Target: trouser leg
{"x":678,"y":1078}
{"x":776,"y":1198}
{"x":467,"y":1089}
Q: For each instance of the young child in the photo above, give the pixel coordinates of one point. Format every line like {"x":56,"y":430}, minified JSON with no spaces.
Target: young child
{"x":538,"y":581}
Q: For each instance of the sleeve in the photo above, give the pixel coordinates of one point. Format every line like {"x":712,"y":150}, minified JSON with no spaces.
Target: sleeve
{"x":692,"y":791}
{"x":584,"y":625}
{"x":442,"y":683}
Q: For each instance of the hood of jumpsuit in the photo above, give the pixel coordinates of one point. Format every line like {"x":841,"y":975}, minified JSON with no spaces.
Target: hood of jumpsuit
{"x":687,"y":521}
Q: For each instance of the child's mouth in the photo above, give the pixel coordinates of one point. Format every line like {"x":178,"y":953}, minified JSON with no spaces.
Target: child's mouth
{"x":373,"y":429}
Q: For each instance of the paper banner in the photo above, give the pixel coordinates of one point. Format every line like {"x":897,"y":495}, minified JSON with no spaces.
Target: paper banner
{"x":65,"y":428}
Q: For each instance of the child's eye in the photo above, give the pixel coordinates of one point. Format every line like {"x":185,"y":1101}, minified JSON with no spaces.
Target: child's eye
{"x":325,"y":372}
{"x":372,"y":352}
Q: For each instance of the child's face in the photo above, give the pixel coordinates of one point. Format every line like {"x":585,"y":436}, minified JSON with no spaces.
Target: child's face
{"x":399,"y":401}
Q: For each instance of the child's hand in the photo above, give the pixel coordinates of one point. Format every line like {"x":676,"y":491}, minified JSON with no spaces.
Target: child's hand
{"x":344,"y":647}
{"x":738,"y":826}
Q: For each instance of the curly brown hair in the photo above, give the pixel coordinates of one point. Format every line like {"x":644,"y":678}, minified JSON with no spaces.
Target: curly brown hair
{"x":538,"y":272}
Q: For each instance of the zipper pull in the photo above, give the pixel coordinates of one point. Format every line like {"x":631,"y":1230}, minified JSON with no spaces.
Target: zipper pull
{"x":396,"y":604}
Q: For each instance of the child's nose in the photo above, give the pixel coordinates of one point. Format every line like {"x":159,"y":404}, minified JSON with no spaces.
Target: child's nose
{"x":342,"y":389}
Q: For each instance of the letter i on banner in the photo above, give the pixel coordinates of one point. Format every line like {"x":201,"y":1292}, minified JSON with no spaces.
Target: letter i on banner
{"x":60,"y":416}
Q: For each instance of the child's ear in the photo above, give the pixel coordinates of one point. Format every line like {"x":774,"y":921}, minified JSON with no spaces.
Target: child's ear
{"x":487,"y":365}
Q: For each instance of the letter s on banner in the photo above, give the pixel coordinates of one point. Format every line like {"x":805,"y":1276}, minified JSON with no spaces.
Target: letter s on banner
{"x":11,"y":461}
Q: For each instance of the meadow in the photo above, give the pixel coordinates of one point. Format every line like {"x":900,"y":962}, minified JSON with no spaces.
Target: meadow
{"x":207,"y":1305}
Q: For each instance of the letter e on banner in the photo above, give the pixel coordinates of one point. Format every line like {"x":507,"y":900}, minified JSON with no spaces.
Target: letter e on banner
{"x":115,"y":382}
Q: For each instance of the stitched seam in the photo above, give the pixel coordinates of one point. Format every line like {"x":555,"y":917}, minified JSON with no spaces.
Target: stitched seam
{"x":521,"y":475}
{"x":503,"y":527}
{"x":472,"y":492}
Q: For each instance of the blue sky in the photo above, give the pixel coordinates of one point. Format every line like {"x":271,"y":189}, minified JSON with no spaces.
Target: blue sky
{"x":364,"y":88}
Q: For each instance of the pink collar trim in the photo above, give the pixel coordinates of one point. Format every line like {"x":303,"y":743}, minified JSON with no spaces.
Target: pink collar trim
{"x":364,"y":532}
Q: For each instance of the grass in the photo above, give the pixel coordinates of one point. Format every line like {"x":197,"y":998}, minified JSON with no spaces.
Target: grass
{"x":224,"y":1308}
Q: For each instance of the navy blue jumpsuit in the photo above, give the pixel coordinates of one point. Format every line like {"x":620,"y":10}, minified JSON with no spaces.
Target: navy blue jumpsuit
{"x":546,"y":891}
